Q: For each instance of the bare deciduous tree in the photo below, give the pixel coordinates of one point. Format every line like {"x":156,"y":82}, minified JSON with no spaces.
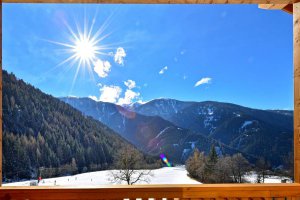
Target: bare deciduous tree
{"x":129,"y":167}
{"x":239,"y":167}
{"x":222,"y":170}
{"x":262,"y":167}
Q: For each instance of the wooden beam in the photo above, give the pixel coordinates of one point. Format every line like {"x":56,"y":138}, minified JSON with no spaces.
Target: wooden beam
{"x":1,"y":94}
{"x":160,"y":1}
{"x":288,"y":8}
{"x":272,"y":6}
{"x":205,"y":191}
{"x":296,"y":17}
{"x":285,"y":7}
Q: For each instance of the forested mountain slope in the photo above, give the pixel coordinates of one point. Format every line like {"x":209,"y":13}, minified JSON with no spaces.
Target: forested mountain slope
{"x":41,"y":131}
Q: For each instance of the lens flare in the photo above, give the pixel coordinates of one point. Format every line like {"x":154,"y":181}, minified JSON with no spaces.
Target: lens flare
{"x":165,"y":160}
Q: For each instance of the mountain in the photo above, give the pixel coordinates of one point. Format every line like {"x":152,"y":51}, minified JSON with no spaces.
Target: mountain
{"x":267,"y":133}
{"x":41,"y":132}
{"x":152,"y":134}
{"x":176,"y":127}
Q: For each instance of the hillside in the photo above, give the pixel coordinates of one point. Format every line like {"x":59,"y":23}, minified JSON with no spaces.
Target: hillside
{"x":40,"y":131}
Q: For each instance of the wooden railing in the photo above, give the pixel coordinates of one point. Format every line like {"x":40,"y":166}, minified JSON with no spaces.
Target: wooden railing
{"x":184,"y":192}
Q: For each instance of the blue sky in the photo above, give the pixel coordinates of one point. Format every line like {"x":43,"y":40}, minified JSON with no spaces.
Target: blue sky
{"x":228,"y":53}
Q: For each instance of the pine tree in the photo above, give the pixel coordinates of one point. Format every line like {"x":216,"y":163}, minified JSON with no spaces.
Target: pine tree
{"x":211,"y":163}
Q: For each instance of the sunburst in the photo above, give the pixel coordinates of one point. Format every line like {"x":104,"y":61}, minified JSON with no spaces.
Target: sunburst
{"x":84,"y":47}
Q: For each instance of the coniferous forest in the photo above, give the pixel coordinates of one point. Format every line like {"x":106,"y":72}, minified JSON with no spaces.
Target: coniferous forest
{"x":44,"y":136}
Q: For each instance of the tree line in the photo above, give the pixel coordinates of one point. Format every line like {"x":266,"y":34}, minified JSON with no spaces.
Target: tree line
{"x":212,"y":168}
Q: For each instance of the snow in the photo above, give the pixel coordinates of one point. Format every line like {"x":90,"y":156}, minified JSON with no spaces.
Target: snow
{"x":252,"y":177}
{"x":193,"y":144}
{"x":210,"y":111}
{"x":236,"y":114}
{"x":165,"y":175}
{"x":246,"y":123}
{"x":161,"y":132}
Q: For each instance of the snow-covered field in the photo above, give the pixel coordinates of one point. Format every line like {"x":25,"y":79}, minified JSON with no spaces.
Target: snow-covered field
{"x":166,"y":175}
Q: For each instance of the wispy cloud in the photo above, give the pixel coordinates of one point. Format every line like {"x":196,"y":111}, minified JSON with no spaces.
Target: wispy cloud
{"x":120,"y":55}
{"x":202,"y":81}
{"x":110,"y":93}
{"x":130,"y":84}
{"x":102,"y":68}
{"x":129,"y":97}
{"x":162,"y":71}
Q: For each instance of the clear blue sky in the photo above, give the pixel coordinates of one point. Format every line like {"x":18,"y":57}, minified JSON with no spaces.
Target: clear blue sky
{"x":228,"y":53}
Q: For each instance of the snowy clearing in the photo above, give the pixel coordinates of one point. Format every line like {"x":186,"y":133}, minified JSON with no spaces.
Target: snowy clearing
{"x":165,"y":175}
{"x":252,"y":177}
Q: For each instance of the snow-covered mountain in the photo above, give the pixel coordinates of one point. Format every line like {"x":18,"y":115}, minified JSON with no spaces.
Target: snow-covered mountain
{"x":257,"y":132}
{"x":152,"y":134}
{"x":177,"y":126}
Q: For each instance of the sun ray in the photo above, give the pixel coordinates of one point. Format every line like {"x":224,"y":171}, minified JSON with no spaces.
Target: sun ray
{"x":84,"y":46}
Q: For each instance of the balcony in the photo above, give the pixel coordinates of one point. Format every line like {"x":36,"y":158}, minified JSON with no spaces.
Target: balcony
{"x":184,"y":192}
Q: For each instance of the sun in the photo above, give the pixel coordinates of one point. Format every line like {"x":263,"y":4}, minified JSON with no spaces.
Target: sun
{"x":84,"y":46}
{"x":84,"y":49}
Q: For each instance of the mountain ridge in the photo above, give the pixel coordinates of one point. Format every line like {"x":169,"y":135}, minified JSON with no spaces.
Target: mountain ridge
{"x":237,"y":127}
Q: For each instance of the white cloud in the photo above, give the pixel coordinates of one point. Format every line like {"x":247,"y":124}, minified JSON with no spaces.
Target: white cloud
{"x":163,"y":70}
{"x":184,"y":77}
{"x":203,"y":81}
{"x":102,"y":68}
{"x":182,"y":52}
{"x":130,"y":84}
{"x":110,"y":93}
{"x":93,"y":98}
{"x":129,"y":97}
{"x":120,"y":55}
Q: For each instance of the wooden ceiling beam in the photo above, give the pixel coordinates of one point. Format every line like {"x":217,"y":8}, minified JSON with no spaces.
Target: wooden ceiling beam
{"x":272,"y":2}
{"x":285,"y":7}
{"x":272,"y":6}
{"x":288,"y":8}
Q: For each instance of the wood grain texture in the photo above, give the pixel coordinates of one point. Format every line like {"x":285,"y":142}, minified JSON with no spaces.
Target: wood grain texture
{"x":206,"y":191}
{"x":296,"y":19}
{"x":272,"y":6}
{"x":284,"y":7}
{"x":159,"y":1}
{"x":0,"y":94}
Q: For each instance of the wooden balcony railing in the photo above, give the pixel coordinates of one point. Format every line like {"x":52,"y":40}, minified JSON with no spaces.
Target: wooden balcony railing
{"x":184,"y":192}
